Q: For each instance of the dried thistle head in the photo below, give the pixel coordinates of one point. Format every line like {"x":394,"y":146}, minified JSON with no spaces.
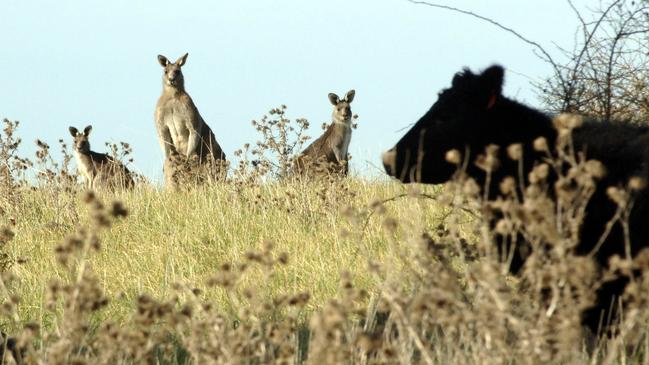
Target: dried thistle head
{"x":637,"y":183}
{"x":454,"y":157}
{"x":541,"y":144}
{"x":568,"y":121}
{"x":515,"y":151}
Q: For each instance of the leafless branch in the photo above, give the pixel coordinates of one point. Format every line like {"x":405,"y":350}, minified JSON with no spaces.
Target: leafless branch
{"x":546,"y":56}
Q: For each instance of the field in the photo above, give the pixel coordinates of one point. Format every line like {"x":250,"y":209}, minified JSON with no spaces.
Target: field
{"x":258,"y":269}
{"x":296,"y":238}
{"x":185,"y":237}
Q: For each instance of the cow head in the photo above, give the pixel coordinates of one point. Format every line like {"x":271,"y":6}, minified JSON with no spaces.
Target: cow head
{"x":457,"y":120}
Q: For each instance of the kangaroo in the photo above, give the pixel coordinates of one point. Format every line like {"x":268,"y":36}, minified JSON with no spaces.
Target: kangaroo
{"x":330,"y":149}
{"x":181,"y":129}
{"x":98,"y":169}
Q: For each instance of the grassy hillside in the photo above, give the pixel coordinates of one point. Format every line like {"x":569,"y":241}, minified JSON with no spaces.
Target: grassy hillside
{"x":264,"y":270}
{"x":185,"y":237}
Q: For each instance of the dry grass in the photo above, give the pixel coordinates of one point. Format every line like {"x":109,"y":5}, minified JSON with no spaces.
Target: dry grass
{"x":321,"y":271}
{"x":172,"y":237}
{"x":173,"y":240}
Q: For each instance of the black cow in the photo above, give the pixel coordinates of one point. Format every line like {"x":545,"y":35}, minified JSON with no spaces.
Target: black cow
{"x":473,"y":114}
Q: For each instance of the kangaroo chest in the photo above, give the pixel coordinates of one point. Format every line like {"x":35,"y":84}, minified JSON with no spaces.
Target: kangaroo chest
{"x":176,"y":115}
{"x":340,"y":137}
{"x":84,"y":165}
{"x":346,"y":138}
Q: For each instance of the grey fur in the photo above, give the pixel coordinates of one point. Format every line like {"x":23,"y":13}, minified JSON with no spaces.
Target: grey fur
{"x":98,"y":169}
{"x":331,"y":148}
{"x":181,"y":129}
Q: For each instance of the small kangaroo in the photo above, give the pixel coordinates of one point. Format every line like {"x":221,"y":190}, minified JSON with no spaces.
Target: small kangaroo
{"x":98,"y":169}
{"x":181,"y":129}
{"x":330,"y":149}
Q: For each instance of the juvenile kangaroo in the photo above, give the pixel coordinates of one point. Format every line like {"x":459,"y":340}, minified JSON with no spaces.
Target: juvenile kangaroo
{"x":181,"y":129}
{"x":98,"y":169}
{"x":330,"y":149}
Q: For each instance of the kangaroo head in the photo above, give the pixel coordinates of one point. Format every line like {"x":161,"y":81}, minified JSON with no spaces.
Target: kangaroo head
{"x":80,"y":139}
{"x":342,"y":109}
{"x":173,"y":75}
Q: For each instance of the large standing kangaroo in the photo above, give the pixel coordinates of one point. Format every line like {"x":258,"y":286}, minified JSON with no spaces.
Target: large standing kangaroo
{"x":329,"y":151}
{"x":181,"y":129}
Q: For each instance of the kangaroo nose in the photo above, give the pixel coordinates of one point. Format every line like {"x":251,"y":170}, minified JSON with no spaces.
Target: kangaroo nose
{"x":389,"y":160}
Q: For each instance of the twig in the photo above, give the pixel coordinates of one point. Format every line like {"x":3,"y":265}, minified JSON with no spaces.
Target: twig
{"x":540,"y":48}
{"x":403,"y":195}
{"x":391,"y":199}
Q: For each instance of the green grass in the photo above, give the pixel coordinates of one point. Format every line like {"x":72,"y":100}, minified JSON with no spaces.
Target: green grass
{"x":184,"y":237}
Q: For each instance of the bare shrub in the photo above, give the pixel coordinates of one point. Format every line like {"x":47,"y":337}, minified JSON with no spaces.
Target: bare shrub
{"x":280,"y":141}
{"x":12,"y":166}
{"x":605,"y":73}
{"x":122,"y":153}
{"x":51,"y":172}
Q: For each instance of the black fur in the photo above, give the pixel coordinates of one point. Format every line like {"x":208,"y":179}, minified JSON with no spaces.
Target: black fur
{"x":473,"y":114}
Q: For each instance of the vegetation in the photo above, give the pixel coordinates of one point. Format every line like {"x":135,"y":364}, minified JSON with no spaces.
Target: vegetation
{"x":322,"y":271}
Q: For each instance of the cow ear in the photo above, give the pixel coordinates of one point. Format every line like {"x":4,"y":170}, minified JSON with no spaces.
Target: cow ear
{"x":492,"y":79}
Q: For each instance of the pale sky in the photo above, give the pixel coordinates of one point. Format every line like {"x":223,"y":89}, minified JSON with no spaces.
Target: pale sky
{"x":76,"y":62}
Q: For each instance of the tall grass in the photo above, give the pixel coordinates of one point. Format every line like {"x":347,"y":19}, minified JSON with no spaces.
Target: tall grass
{"x":330,"y":270}
{"x":185,"y":237}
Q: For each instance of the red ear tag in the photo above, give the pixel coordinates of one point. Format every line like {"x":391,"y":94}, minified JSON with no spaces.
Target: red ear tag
{"x":492,"y":101}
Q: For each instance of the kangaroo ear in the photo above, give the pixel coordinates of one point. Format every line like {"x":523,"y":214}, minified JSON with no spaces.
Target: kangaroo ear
{"x":350,"y":95}
{"x":181,"y":61}
{"x":163,"y":60}
{"x":87,"y":130}
{"x":334,"y":99}
{"x":73,"y":131}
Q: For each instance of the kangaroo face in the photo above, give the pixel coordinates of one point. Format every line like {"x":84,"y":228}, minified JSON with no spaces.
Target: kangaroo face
{"x":80,"y":139}
{"x":342,"y":110}
{"x":173,"y":75}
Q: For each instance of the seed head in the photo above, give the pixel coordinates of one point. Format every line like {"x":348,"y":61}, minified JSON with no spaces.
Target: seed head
{"x":515,"y":151}
{"x":540,"y":144}
{"x":504,"y":226}
{"x":595,"y":168}
{"x":619,"y":196}
{"x":471,"y":188}
{"x":637,"y":183}
{"x":454,"y":157}
{"x":568,"y":121}
{"x":508,"y":185}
